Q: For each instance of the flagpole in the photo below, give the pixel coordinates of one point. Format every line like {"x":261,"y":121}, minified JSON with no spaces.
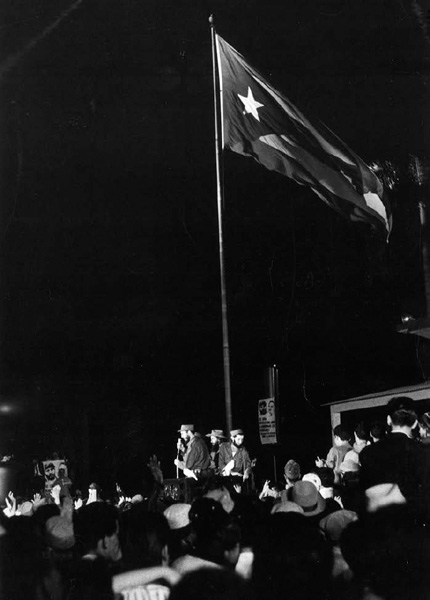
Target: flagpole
{"x":225,"y":342}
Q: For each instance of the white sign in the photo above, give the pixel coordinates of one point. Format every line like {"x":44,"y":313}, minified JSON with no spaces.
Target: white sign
{"x":267,"y":421}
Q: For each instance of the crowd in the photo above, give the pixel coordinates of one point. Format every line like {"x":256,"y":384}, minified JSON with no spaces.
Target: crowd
{"x":353,"y":527}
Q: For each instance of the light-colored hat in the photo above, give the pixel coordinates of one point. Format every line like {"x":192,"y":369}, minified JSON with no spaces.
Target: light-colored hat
{"x":218,"y":433}
{"x":313,"y":478}
{"x":306,"y":495}
{"x":177,"y":515}
{"x":59,"y":533}
{"x":235,"y":432}
{"x":188,"y":427}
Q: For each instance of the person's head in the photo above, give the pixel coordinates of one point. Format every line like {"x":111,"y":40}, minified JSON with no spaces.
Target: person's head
{"x":335,"y":523}
{"x":62,"y":470}
{"x":96,"y":531}
{"x":181,"y":537}
{"x":401,"y":413}
{"x":360,"y":433}
{"x":59,"y":534}
{"x":377,"y":430}
{"x":222,"y":490}
{"x":186,"y":432}
{"x":306,"y":495}
{"x":292,"y":472}
{"x":217,"y":537}
{"x":216,"y":436}
{"x":271,"y":408}
{"x":237,"y":437}
{"x":326,"y":476}
{"x":145,"y":538}
{"x":49,"y":470}
{"x":341,"y":435}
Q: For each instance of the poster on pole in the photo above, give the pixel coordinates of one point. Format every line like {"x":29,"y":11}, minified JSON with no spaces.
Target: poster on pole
{"x":267,"y":421}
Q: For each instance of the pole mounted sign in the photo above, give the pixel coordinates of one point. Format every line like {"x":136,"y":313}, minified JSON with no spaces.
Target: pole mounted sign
{"x":267,"y":420}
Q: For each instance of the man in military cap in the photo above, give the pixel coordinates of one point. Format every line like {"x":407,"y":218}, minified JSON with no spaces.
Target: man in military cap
{"x":194,"y":459}
{"x":234,"y":459}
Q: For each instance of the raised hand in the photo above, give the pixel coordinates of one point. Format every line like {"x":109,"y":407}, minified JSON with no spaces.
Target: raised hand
{"x":155,"y":467}
{"x":37,"y":501}
{"x":55,"y":493}
{"x":266,"y":490}
{"x":10,"y":509}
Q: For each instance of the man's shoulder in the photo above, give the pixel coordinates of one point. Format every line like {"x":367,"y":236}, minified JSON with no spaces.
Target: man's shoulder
{"x":199,"y":441}
{"x":391,"y":442}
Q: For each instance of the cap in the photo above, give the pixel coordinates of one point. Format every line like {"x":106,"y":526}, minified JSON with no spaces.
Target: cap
{"x":235,"y":432}
{"x":187,"y":427}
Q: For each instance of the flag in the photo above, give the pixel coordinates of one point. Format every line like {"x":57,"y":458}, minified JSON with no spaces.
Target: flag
{"x":258,"y":121}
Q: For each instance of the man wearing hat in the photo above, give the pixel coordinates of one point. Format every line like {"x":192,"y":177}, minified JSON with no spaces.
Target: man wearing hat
{"x":195,"y":460}
{"x":234,"y":459}
{"x":216,"y":437}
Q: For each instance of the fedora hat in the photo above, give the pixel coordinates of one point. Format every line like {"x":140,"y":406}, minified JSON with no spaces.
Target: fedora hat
{"x":218,"y":433}
{"x":187,"y":427}
{"x":306,"y":495}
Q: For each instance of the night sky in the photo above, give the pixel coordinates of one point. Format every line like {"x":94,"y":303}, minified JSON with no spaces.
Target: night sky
{"x":109,"y":273}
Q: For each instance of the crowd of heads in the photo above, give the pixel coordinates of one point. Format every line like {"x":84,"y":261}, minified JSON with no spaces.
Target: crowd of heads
{"x":315,"y":533}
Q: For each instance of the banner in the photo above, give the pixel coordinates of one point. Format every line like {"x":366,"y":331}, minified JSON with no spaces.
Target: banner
{"x":267,"y":421}
{"x":54,"y":470}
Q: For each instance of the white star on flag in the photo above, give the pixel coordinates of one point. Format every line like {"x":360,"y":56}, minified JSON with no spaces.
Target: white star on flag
{"x":251,"y":105}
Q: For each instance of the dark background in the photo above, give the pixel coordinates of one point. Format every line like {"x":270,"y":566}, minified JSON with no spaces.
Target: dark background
{"x":109,"y":274}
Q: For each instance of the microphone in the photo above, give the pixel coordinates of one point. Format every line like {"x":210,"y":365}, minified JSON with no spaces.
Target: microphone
{"x":178,"y":445}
